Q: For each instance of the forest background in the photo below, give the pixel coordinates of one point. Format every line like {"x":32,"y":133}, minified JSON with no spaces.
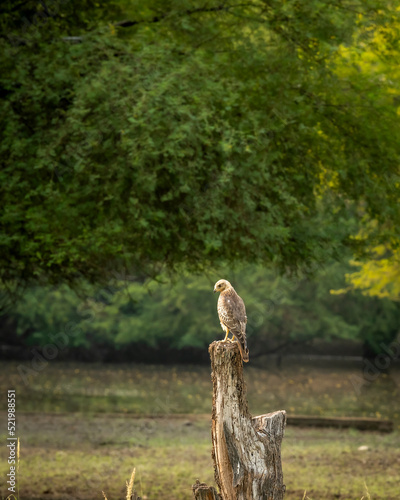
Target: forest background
{"x":151,"y":148}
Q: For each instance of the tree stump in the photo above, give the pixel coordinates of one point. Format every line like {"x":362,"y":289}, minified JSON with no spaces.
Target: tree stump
{"x":246,"y":450}
{"x":203,"y":492}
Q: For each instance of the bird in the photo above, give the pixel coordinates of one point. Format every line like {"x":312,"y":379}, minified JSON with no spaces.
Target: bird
{"x":232,"y":315}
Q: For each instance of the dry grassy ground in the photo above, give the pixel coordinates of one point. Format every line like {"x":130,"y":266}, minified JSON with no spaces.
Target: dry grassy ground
{"x":76,"y":454}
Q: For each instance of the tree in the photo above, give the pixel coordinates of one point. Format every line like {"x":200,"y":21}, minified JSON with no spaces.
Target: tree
{"x":379,"y":276}
{"x":282,"y":311}
{"x":182,"y":134}
{"x":378,"y":273}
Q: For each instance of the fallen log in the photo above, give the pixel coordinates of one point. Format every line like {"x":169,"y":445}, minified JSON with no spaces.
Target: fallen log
{"x":362,"y":424}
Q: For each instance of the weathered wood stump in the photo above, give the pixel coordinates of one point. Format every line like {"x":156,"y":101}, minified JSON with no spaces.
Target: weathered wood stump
{"x":203,"y":492}
{"x":246,"y":450}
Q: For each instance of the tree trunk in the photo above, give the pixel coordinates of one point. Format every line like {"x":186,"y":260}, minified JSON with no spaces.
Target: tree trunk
{"x":246,"y":450}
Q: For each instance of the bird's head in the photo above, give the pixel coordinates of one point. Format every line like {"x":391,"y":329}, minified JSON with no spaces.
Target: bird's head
{"x":221,"y":285}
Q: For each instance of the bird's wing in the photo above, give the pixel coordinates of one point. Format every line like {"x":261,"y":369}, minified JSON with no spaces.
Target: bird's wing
{"x":226,"y":312}
{"x":232,"y":313}
{"x":241,"y":311}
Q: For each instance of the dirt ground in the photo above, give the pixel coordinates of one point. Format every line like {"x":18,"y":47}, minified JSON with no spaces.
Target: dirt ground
{"x":84,"y":427}
{"x":77,"y":456}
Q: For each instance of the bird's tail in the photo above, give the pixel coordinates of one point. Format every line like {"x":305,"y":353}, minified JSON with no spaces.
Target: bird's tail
{"x":244,"y":352}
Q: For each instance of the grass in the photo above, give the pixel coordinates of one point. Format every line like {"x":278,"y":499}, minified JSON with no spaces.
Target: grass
{"x":79,"y":456}
{"x":83,"y":428}
{"x":163,"y":390}
{"x":129,"y":486}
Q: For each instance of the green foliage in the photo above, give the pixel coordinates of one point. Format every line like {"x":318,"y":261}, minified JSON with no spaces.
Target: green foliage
{"x":282,"y":311}
{"x":290,"y":310}
{"x":193,"y":135}
{"x":379,"y":276}
{"x":44,"y":312}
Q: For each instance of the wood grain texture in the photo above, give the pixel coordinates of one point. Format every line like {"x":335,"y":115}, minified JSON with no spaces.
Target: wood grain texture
{"x":203,"y":492}
{"x":246,"y":450}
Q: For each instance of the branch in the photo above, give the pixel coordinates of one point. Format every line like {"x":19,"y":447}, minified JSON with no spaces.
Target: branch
{"x":156,"y":19}
{"x":188,"y":12}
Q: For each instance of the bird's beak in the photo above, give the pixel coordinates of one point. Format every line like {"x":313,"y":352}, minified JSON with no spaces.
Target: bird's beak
{"x":215,"y":290}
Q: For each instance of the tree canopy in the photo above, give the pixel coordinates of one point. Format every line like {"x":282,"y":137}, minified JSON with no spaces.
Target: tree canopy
{"x":282,"y":312}
{"x":187,"y":133}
